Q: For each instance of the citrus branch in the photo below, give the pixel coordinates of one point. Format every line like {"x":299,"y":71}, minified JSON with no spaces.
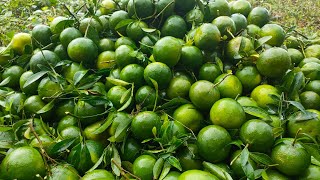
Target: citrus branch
{"x":123,"y":171}
{"x":42,"y":150}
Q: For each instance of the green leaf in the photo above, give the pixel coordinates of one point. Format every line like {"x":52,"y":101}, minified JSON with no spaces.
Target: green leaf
{"x":309,"y":137}
{"x":104,"y":72}
{"x":301,"y":116}
{"x":262,"y":41}
{"x":246,"y":166}
{"x":174,"y":162}
{"x":7,"y":52}
{"x":109,"y":155}
{"x":244,"y":156}
{"x":258,"y":173}
{"x":57,"y":78}
{"x":155,"y":83}
{"x":216,"y":170}
{"x":167,"y":134}
{"x":28,"y":49}
{"x":106,"y":124}
{"x":89,"y":81}
{"x":148,"y":30}
{"x":63,"y":63}
{"x":44,"y":67}
{"x":123,"y":126}
{"x":5,"y":144}
{"x":62,"y":146}
{"x":127,"y":166}
{"x":21,"y":143}
{"x":153,"y":37}
{"x":116,"y":159}
{"x":133,"y":54}
{"x":276,"y":98}
{"x":242,"y":45}
{"x":6,"y":139}
{"x":94,"y":3}
{"x":3,"y":103}
{"x":280,"y":141}
{"x":112,"y":139}
{"x":298,"y":81}
{"x":81,"y":157}
{"x":55,"y":37}
{"x":175,"y":143}
{"x":5,"y":81}
{"x":155,"y":151}
{"x":257,"y":111}
{"x":174,"y":103}
{"x":297,"y":105}
{"x":312,"y":150}
{"x":127,"y":104}
{"x":63,"y":24}
{"x":46,"y":108}
{"x":165,"y":171}
{"x":34,"y":77}
{"x":96,"y":100}
{"x":314,"y":161}
{"x":27,"y":133}
{"x":92,"y":33}
{"x":19,"y":124}
{"x":78,"y":76}
{"x":156,"y":87}
{"x":154,"y":131}
{"x":5,"y":128}
{"x":123,"y":23}
{"x":147,"y":140}
{"x":97,"y":18}
{"x":261,"y":158}
{"x":219,"y":63}
{"x":237,"y":142}
{"x":291,"y":29}
{"x":157,"y":168}
{"x":288,"y":80}
{"x":23,"y":60}
{"x":264,"y":175}
{"x":249,"y":171}
{"x":97,"y":164}
{"x":272,"y":109}
{"x":277,"y":131}
{"x":90,"y":8}
{"x":237,"y":56}
{"x":140,"y":56}
{"x":117,"y":82}
{"x":125,"y":96}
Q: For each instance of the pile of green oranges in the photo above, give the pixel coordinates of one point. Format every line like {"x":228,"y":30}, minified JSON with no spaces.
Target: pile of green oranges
{"x":160,"y":89}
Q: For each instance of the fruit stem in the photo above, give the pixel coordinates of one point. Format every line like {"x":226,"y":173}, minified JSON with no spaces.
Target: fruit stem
{"x":6,"y":49}
{"x":123,"y":171}
{"x":64,"y":5}
{"x":87,"y":29}
{"x":156,"y":17}
{"x":302,"y":46}
{"x":38,"y":176}
{"x":296,"y":136}
{"x":42,"y":150}
{"x":184,"y":127}
{"x":235,"y":158}
{"x":215,"y":85}
{"x":230,"y":33}
{"x":83,"y":117}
